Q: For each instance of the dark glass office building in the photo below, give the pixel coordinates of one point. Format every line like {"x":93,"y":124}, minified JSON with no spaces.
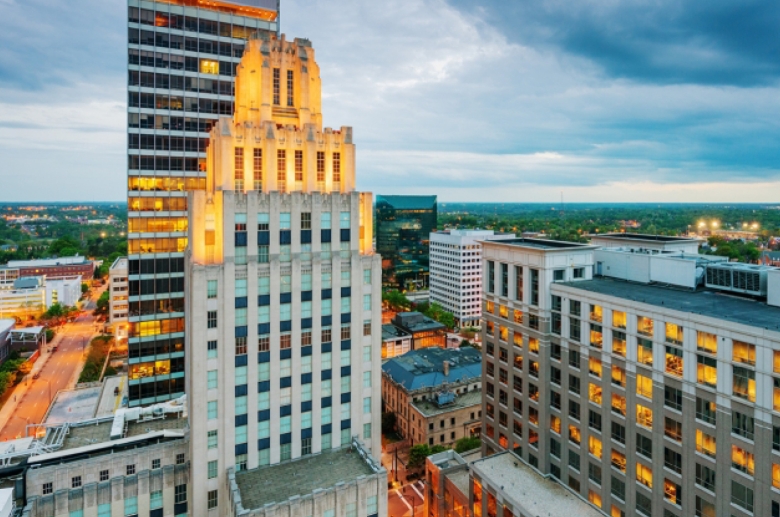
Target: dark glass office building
{"x":403,"y":228}
{"x":182,"y":58}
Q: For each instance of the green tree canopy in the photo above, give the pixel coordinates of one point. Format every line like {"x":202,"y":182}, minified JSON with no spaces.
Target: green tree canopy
{"x":467,"y":443}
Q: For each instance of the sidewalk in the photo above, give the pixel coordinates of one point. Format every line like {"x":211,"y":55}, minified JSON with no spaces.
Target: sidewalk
{"x":20,"y":390}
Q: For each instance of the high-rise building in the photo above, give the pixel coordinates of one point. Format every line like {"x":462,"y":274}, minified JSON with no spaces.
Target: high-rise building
{"x":283,"y":299}
{"x":456,"y":272}
{"x":403,"y":228}
{"x":643,"y":376}
{"x":182,"y":57}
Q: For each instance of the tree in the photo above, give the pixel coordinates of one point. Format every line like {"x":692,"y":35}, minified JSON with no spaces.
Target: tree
{"x":102,"y":303}
{"x":388,"y":423}
{"x":467,"y":443}
{"x":396,"y":300}
{"x":55,"y":311}
{"x":464,"y":343}
{"x":418,"y":453}
{"x":84,"y":287}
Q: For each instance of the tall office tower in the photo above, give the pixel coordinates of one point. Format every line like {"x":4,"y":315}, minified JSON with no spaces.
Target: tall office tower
{"x":456,"y":271}
{"x":403,"y":227}
{"x":643,"y":376}
{"x":283,"y":293}
{"x":182,"y":56}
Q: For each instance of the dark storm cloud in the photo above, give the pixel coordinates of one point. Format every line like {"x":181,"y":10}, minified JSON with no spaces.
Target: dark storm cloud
{"x":718,"y":42}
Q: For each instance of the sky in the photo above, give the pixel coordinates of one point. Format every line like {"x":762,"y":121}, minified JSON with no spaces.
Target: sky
{"x":473,"y":100}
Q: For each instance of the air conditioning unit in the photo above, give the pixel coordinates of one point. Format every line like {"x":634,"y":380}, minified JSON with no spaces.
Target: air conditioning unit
{"x":737,"y":277}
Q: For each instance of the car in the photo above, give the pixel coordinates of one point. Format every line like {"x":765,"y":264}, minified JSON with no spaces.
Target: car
{"x":54,"y":349}
{"x":37,"y":375}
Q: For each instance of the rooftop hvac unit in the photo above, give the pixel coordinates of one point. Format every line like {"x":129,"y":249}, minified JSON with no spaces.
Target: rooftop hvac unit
{"x":737,"y":277}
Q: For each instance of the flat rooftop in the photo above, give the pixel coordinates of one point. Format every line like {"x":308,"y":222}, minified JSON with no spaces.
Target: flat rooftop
{"x":704,"y":302}
{"x":277,"y":483}
{"x":517,"y":481}
{"x":542,"y":244}
{"x":99,"y":432}
{"x":73,"y":405}
{"x":468,"y":399}
{"x":644,"y":237}
{"x":390,"y":331}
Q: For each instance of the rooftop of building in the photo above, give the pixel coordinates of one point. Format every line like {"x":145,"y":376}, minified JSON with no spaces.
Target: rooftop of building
{"x":429,"y":408}
{"x":542,"y":244}
{"x":6,"y":325}
{"x":99,"y":431}
{"x":48,"y":262}
{"x":28,"y":282}
{"x":705,"y":302}
{"x":119,"y":264}
{"x":518,"y":481}
{"x":390,"y":331}
{"x":408,"y":202}
{"x":416,"y":322}
{"x":424,"y":368}
{"x":645,"y":237}
{"x":277,"y":483}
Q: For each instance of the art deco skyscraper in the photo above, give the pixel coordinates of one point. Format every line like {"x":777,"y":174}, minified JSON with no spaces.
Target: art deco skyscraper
{"x":283,"y":288}
{"x":182,"y":56}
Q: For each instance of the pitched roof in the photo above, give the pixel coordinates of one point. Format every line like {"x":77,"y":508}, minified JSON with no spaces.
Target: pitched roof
{"x":424,"y":368}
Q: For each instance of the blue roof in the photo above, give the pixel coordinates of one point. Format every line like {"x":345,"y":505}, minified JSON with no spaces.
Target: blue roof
{"x":424,"y":368}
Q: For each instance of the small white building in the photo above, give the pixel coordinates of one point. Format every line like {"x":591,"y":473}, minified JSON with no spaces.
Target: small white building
{"x":118,"y":306}
{"x":456,"y":271}
{"x":65,"y":291}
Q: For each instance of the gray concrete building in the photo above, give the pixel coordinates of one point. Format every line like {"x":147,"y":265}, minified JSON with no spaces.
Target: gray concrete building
{"x":644,"y":398}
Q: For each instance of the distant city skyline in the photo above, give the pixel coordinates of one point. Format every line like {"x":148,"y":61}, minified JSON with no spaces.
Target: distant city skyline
{"x":494,"y":102}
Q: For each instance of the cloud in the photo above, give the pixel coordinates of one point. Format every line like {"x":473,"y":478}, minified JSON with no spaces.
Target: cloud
{"x":659,"y":41}
{"x":491,"y":101}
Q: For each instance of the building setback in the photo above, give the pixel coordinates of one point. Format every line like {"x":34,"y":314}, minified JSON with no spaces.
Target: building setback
{"x":644,"y":399}
{"x":456,"y":272}
{"x":182,"y":58}
{"x":283,"y":298}
{"x":403,"y":228}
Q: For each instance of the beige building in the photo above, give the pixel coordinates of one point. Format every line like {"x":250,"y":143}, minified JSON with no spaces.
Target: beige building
{"x":118,"y":305}
{"x":434,"y":394}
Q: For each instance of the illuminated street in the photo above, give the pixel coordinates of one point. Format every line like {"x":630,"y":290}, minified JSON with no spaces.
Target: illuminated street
{"x":58,"y":372}
{"x":401,"y":502}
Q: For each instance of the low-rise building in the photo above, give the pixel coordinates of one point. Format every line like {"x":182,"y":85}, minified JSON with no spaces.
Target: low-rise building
{"x":395,"y":341}
{"x":118,"y":305}
{"x":62,"y":267}
{"x":499,"y":485}
{"x":425,"y":331}
{"x":66,"y":291}
{"x":6,"y":325}
{"x":441,"y":376}
{"x":446,"y":417}
{"x":25,"y":300}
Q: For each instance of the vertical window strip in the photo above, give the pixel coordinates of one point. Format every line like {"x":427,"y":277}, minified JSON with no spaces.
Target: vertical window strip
{"x":290,"y":90}
{"x":336,"y":167}
{"x":258,"y":169}
{"x":281,"y":170}
{"x":298,"y":165}
{"x":239,"y":168}
{"x":276,"y":86}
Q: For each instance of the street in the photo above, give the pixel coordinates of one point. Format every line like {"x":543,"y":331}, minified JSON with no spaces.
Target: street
{"x":58,"y":370}
{"x":402,"y":501}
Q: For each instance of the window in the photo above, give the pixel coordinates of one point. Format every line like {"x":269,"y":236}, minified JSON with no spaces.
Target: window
{"x":618,"y":433}
{"x":705,"y":410}
{"x":644,"y":416}
{"x":211,"y":287}
{"x":594,"y":420}
{"x":104,"y":473}
{"x":644,"y":386}
{"x":212,"y":469}
{"x":574,"y":409}
{"x":337,"y":168}
{"x":131,"y":505}
{"x":574,"y":358}
{"x":211,"y":347}
{"x":673,"y":429}
{"x":574,"y":329}
{"x":257,"y":167}
{"x":705,"y":443}
{"x":594,"y":473}
{"x":673,"y":398}
{"x":742,"y":496}
{"x":104,"y":510}
{"x":644,"y":475}
{"x":574,"y":384}
{"x":742,"y":425}
{"x":281,"y":174}
{"x":48,"y":488}
{"x":180,"y":494}
{"x":212,"y":499}
{"x":674,"y":333}
{"x":706,"y":370}
{"x":155,"y":500}
{"x":262,"y":254}
{"x":238,"y":169}
{"x":618,"y":460}
{"x":673,"y":460}
{"x":744,"y":383}
{"x":619,"y":343}
{"x":644,"y":325}
{"x":574,"y":459}
{"x":212,"y":440}
{"x":706,"y":342}
{"x":290,"y":88}
{"x":155,"y":465}
{"x":534,"y":286}
{"x":618,"y":376}
{"x":742,"y":460}
{"x":211,"y":318}
{"x":672,"y":492}
{"x":644,"y":445}
{"x":674,"y":361}
{"x":594,"y":446}
{"x":618,"y":488}
{"x":644,"y":351}
{"x":705,"y":477}
{"x":276,"y":93}
{"x":211,"y":409}
{"x":75,"y":482}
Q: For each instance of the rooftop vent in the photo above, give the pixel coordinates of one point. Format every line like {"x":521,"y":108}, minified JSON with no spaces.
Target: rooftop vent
{"x":737,"y":277}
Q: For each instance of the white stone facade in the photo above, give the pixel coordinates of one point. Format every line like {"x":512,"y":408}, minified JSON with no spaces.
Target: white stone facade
{"x":456,"y":271}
